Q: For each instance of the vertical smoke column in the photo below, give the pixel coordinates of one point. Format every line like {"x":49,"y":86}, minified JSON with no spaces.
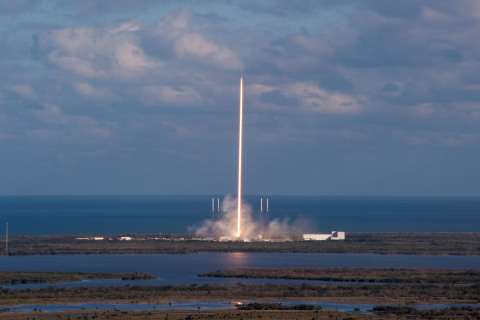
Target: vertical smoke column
{"x":239,"y":205}
{"x":6,"y":239}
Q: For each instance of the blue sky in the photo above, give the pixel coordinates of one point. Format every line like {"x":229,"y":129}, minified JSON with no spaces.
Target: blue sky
{"x":141,"y":97}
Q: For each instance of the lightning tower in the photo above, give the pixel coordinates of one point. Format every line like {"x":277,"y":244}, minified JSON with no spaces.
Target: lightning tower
{"x":213,"y":208}
{"x":261,"y":214}
{"x":267,"y":219}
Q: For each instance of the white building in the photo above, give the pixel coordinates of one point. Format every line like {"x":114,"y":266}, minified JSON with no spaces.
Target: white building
{"x":335,"y":235}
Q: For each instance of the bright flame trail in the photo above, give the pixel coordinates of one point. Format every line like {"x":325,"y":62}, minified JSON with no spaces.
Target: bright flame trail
{"x":239,"y":205}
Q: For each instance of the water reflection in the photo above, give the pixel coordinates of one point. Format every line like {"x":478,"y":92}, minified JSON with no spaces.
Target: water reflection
{"x":236,"y":259}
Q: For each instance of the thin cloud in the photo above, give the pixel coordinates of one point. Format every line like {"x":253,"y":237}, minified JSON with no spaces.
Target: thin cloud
{"x":111,"y":52}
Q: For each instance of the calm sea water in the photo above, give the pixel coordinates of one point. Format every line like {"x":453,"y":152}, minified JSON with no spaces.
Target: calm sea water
{"x":37,"y":215}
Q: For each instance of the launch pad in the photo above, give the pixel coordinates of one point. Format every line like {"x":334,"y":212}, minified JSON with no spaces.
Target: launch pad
{"x":258,"y":227}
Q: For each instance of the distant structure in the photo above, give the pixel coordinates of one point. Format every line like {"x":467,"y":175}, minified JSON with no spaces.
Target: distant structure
{"x":264,"y":217}
{"x":6,"y":239}
{"x":213,"y":208}
{"x":267,"y":219}
{"x":262,"y":226}
{"x":217,"y":215}
{"x":335,"y":235}
{"x":92,"y":238}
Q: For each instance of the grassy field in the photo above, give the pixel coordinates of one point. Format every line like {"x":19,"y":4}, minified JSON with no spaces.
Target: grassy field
{"x":367,"y":293}
{"x":370,"y":275}
{"x":195,"y":315}
{"x":380,"y":243}
{"x":17,"y":277}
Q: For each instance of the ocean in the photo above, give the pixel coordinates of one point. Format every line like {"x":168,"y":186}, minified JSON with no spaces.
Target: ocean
{"x":81,"y":215}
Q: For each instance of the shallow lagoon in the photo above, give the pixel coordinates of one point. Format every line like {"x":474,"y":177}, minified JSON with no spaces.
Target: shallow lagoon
{"x":184,"y":269}
{"x":206,"y":305}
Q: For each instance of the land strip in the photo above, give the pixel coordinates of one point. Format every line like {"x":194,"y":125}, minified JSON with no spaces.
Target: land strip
{"x":366,"y":293}
{"x":399,"y":313}
{"x":252,"y":311}
{"x":379,"y":243}
{"x":195,"y":315}
{"x":22,"y":277}
{"x":370,"y":275}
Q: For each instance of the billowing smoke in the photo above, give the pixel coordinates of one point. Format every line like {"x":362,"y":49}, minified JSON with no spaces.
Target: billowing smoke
{"x":226,"y":226}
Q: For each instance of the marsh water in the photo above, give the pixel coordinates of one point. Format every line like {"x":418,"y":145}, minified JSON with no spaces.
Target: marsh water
{"x":176,"y":269}
{"x":184,"y":269}
{"x":208,"y":305}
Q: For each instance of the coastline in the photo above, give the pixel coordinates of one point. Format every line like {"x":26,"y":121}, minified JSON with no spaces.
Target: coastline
{"x":393,"y":243}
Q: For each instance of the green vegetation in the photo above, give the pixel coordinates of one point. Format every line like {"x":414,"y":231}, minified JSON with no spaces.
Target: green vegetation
{"x":192,"y":315}
{"x":268,"y":311}
{"x":17,"y":277}
{"x":371,"y":275}
{"x":381,"y":243}
{"x":378,"y":293}
{"x":399,"y":294}
{"x":413,"y":313}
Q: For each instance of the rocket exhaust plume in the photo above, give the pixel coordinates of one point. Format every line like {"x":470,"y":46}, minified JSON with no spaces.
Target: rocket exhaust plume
{"x":229,"y":222}
{"x":251,"y":228}
{"x":239,"y":197}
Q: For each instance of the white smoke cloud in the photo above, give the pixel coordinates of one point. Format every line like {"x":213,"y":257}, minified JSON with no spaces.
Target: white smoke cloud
{"x":226,"y":225}
{"x":285,"y":226}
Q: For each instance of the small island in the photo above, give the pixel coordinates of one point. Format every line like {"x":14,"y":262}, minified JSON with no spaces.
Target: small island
{"x":24,"y":277}
{"x":370,"y":275}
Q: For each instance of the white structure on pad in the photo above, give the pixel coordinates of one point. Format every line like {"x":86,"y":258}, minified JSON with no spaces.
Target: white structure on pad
{"x":335,"y":235}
